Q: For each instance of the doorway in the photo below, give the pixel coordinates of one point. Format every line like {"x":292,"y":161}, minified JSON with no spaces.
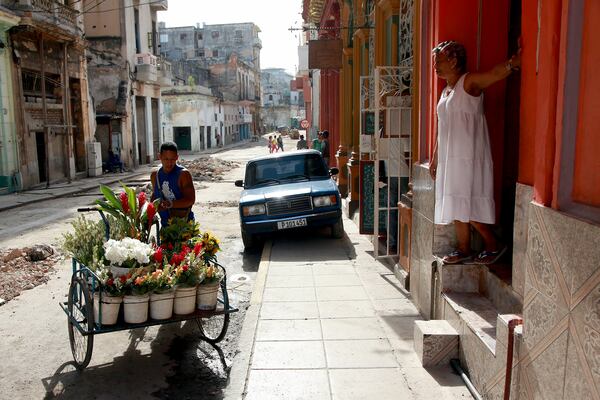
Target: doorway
{"x":183,"y":137}
{"x":40,"y":145}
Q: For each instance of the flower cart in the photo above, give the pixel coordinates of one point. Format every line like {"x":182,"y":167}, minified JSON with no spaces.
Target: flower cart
{"x":144,"y":289}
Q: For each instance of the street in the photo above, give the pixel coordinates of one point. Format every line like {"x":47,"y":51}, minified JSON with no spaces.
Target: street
{"x":163,"y":362}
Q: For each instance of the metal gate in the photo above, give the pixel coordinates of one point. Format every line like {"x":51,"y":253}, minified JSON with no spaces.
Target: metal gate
{"x":392,"y":153}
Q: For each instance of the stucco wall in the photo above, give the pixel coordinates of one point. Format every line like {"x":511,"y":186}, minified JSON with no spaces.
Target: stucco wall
{"x":192,"y":111}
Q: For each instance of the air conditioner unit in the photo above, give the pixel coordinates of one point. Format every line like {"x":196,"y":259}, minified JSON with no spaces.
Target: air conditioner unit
{"x":145,"y":59}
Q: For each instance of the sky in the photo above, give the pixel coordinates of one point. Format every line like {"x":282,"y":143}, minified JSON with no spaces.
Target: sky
{"x":273,"y":17}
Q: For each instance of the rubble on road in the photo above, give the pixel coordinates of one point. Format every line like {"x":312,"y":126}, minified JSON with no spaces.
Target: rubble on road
{"x":20,"y":271}
{"x":208,"y":168}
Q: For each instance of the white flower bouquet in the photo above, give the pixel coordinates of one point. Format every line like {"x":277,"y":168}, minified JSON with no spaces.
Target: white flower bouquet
{"x":127,"y":253}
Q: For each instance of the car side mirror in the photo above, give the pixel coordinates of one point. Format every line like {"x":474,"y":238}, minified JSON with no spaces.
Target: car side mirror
{"x":239,"y":183}
{"x":333,"y":171}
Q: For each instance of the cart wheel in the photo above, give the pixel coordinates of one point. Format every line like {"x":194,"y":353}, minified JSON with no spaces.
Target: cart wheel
{"x":80,"y":308}
{"x":213,"y":329}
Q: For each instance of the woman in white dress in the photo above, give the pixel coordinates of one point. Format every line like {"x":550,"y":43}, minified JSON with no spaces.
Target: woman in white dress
{"x":462,"y":159}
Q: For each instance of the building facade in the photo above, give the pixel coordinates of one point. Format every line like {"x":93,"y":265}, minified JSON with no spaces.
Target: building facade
{"x":50,"y":92}
{"x":126,"y":74}
{"x":276,"y":98}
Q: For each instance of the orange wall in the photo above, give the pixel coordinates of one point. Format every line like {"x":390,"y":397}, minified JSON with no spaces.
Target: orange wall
{"x":586,"y":179}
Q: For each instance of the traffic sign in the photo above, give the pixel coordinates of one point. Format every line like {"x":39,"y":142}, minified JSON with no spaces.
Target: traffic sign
{"x":304,"y":123}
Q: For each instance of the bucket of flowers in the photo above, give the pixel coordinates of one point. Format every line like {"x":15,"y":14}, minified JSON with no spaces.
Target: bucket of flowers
{"x":135,"y":301}
{"x":108,"y":299}
{"x":126,"y":254}
{"x":163,"y":292}
{"x":208,"y":289}
{"x":186,"y":267}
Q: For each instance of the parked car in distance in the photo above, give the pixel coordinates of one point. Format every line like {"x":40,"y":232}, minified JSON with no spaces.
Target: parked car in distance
{"x":290,"y":190}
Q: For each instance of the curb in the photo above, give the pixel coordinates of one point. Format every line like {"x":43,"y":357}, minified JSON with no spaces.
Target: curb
{"x":241,"y":364}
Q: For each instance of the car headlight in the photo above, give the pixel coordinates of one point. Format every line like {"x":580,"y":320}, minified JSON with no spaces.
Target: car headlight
{"x":324,"y":201}
{"x":254,"y":209}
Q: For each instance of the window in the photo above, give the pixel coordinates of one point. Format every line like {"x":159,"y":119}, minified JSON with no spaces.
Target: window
{"x":199,"y":52}
{"x":215,"y":53}
{"x":164,"y":37}
{"x":215,"y":116}
{"x":270,"y":97}
{"x":200,"y":36}
{"x":183,"y":36}
{"x":214,"y":34}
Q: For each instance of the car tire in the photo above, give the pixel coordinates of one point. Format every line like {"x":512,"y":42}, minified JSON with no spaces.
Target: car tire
{"x":249,"y":241}
{"x":337,"y":229}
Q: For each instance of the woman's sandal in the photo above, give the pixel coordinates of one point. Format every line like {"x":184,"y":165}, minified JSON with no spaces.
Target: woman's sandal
{"x":457,"y":257}
{"x":489,"y":257}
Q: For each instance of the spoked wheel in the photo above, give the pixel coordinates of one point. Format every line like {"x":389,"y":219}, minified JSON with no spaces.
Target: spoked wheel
{"x":214,"y":328}
{"x":80,"y":308}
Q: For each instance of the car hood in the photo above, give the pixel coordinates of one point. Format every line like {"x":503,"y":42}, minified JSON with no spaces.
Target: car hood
{"x":288,"y":189}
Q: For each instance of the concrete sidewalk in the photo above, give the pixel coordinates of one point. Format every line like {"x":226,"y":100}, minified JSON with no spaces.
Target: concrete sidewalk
{"x":327,"y":321}
{"x":63,"y":189}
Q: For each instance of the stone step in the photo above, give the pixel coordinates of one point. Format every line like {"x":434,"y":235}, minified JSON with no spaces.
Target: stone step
{"x":436,"y":342}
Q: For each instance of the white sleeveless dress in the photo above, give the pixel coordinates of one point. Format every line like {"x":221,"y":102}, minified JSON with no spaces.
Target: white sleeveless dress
{"x":464,"y":184}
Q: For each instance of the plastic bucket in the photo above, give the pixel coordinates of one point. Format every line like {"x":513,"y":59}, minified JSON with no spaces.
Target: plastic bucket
{"x":109,"y":308}
{"x":185,"y":300}
{"x":206,"y":298}
{"x":161,"y":305}
{"x":135,"y":308}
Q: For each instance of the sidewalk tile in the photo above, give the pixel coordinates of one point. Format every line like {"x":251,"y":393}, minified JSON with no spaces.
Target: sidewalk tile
{"x":404,"y":351}
{"x":325,"y":293}
{"x":289,"y":294}
{"x":384,"y":291}
{"x":374,"y":278}
{"x":289,"y":310}
{"x":337,"y":280}
{"x":361,"y":384}
{"x":438,"y":383}
{"x":288,"y":355}
{"x":346,"y":309}
{"x":280,"y":281}
{"x":375,"y":353}
{"x":395,"y":306}
{"x":291,"y":271}
{"x":294,"y":329}
{"x":399,"y":327}
{"x":334,"y":270}
{"x":352,"y":328}
{"x":288,"y":385}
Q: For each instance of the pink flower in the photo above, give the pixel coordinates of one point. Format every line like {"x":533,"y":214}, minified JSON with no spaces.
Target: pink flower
{"x":142,"y":199}
{"x":124,"y":202}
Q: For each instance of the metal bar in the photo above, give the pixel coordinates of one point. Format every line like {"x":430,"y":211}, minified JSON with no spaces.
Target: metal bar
{"x":44,"y":110}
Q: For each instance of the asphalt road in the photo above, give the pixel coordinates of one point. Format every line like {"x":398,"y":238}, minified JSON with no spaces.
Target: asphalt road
{"x":164,"y":362}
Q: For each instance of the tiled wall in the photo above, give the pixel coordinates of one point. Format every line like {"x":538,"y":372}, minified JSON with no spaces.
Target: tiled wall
{"x":560,"y":355}
{"x":523,"y":196}
{"x":422,"y":239}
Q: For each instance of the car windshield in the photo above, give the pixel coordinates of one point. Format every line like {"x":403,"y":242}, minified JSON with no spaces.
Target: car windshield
{"x":276,"y":170}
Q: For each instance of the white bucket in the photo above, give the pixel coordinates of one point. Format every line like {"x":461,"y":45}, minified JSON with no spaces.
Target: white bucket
{"x":207,"y":296}
{"x":110,"y":308}
{"x":118,"y":271}
{"x":135,"y":308}
{"x":161,"y":305}
{"x":185,"y":300}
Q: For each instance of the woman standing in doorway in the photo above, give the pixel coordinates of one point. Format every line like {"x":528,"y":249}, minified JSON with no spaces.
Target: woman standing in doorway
{"x":462,"y":159}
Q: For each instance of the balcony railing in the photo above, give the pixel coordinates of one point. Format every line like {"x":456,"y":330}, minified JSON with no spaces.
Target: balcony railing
{"x":49,"y":11}
{"x":159,"y":5}
{"x":146,"y":67}
{"x":165,"y":73}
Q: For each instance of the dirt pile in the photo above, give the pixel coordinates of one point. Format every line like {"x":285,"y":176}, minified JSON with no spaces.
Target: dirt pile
{"x":19,"y":272}
{"x":208,"y":169}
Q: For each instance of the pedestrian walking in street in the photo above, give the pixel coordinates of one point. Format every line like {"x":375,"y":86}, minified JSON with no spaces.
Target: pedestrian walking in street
{"x":301,"y":144}
{"x":274,"y":148}
{"x":279,"y":143}
{"x":173,"y":185}
{"x":270,"y":144}
{"x":316,"y":143}
{"x":325,"y":146}
{"x":462,"y":158}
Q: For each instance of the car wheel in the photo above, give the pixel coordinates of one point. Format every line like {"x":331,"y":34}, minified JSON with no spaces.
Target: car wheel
{"x":249,"y":240}
{"x":337,"y":229}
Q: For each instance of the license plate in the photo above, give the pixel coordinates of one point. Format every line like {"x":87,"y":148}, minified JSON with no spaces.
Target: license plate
{"x":294,"y":223}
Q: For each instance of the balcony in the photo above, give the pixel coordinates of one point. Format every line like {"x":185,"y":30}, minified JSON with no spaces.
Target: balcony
{"x":257,"y":43}
{"x":146,"y":67}
{"x":165,"y":73}
{"x":246,"y":118}
{"x":160,"y":5}
{"x":51,"y":12}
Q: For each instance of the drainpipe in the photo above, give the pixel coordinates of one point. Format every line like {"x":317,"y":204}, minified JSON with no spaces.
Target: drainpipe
{"x":512,"y":324}
{"x":456,"y":366}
